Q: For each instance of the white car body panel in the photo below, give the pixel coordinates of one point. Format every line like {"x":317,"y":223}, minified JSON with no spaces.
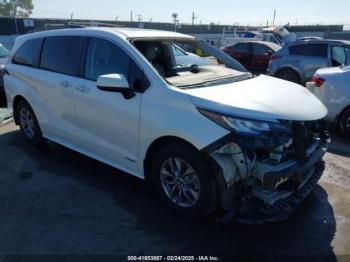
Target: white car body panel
{"x":119,"y":132}
{"x":335,"y":91}
{"x":261,"y":98}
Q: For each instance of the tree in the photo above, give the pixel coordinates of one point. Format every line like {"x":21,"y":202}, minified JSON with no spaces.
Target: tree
{"x":17,"y":8}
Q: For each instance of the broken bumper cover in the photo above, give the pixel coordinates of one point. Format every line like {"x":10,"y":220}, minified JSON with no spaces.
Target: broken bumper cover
{"x":295,"y":173}
{"x":256,"y":211}
{"x":280,"y":191}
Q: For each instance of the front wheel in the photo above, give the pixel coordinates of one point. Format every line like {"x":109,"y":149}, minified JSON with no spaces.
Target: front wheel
{"x":289,"y":75}
{"x":344,"y":123}
{"x":184,"y":181}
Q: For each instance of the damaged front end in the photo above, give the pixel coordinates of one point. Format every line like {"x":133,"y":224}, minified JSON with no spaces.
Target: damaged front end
{"x":265,"y":172}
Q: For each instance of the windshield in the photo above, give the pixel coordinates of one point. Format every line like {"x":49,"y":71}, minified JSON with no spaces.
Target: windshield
{"x":190,"y":63}
{"x":178,"y":51}
{"x":3,"y":52}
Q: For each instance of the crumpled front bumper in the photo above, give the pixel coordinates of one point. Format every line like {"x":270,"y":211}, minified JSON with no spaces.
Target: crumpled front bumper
{"x":256,"y":211}
{"x":278,"y":190}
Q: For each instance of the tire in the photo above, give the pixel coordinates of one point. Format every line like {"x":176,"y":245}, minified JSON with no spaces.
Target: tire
{"x":289,"y":75}
{"x":344,"y":123}
{"x":195,"y":181}
{"x":29,"y":123}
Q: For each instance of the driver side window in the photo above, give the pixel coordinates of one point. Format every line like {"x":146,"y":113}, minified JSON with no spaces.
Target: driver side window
{"x":104,"y":57}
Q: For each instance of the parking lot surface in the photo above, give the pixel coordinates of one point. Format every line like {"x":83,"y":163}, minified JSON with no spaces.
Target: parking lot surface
{"x":4,"y":115}
{"x":57,"y":202}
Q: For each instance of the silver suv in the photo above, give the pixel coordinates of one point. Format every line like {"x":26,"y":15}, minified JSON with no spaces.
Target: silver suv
{"x":299,"y":61}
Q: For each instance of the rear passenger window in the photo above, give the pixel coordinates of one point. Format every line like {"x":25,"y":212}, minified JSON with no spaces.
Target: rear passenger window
{"x":62,"y":54}
{"x":260,"y":49}
{"x":317,"y":50}
{"x":28,"y":54}
{"x":241,"y":48}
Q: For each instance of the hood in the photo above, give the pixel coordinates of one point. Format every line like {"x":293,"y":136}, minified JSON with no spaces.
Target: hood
{"x":262,"y":97}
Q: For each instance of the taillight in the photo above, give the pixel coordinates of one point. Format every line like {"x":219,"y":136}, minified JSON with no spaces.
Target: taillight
{"x":275,"y":57}
{"x":318,"y":81}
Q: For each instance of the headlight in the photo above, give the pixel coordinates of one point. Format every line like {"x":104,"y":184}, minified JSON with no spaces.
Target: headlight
{"x":243,"y":126}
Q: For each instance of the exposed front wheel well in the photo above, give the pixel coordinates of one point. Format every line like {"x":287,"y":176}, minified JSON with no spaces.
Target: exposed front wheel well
{"x":156,"y":146}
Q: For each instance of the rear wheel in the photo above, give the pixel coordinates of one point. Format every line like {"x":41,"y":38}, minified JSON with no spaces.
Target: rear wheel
{"x":344,"y":123}
{"x":289,"y":75}
{"x":184,"y":181}
{"x":28,"y":123}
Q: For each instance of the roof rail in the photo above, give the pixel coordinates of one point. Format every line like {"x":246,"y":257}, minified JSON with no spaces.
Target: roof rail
{"x":61,"y":26}
{"x":68,"y":25}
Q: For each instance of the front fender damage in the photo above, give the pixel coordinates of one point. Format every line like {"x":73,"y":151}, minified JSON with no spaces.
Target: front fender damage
{"x":266,"y":181}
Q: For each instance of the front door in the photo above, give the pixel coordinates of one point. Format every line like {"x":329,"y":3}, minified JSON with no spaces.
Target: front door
{"x":242,"y":53}
{"x":109,"y":122}
{"x":261,"y":57}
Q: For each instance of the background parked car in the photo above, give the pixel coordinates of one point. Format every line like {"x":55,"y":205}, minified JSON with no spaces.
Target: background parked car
{"x":299,"y":61}
{"x":331,"y":86}
{"x":4,"y":53}
{"x":253,"y":55}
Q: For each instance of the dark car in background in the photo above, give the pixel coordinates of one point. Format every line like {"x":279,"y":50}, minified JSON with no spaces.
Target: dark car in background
{"x":298,"y":61}
{"x":4,"y":53}
{"x":253,"y":55}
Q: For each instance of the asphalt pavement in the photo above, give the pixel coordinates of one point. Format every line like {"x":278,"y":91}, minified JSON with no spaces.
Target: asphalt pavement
{"x":57,"y":202}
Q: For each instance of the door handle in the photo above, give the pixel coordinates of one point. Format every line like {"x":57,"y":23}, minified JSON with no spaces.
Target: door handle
{"x":65,"y":84}
{"x":82,"y":89}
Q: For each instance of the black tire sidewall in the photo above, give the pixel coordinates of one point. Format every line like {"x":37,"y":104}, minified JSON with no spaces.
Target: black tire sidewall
{"x":207,"y":201}
{"x":37,"y":139}
{"x":290,"y":71}
{"x":342,"y":123}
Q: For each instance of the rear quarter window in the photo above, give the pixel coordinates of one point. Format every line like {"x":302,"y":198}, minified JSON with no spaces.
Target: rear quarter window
{"x":28,"y":54}
{"x":61,"y":54}
{"x":315,"y":50}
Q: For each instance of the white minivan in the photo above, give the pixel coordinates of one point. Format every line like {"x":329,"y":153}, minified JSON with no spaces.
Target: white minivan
{"x":208,"y":136}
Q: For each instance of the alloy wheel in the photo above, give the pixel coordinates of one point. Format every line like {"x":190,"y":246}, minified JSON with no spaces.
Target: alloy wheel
{"x":180,"y":182}
{"x":27,"y":122}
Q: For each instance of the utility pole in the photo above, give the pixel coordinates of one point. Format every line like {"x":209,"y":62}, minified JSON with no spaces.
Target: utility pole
{"x":274,"y":17}
{"x":175,"y":19}
{"x":139,"y":18}
{"x":193,"y":18}
{"x":71,"y":16}
{"x":131,"y":18}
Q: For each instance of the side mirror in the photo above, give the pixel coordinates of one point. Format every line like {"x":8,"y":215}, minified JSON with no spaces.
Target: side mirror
{"x":269,"y":53}
{"x":116,"y":83}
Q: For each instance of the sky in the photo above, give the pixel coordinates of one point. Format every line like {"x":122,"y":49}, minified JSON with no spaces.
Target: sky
{"x":253,"y":12}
